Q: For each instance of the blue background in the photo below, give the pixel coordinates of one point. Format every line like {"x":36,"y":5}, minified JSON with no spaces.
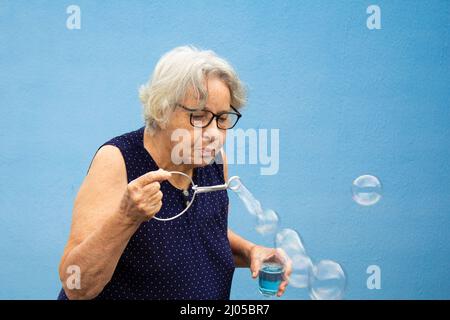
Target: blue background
{"x":347,"y":100}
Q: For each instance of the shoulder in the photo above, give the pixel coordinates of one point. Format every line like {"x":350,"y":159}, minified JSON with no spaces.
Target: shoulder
{"x":108,"y":163}
{"x":112,"y":154}
{"x":127,"y":141}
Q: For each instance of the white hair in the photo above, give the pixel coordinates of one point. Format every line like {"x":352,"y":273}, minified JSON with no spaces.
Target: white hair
{"x":179,"y":70}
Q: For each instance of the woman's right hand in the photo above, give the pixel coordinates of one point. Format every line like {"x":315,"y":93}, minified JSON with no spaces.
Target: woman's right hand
{"x":142,"y":199}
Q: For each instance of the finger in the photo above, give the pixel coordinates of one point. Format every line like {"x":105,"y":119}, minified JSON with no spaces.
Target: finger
{"x":152,"y":188}
{"x":286,"y":261}
{"x":282,"y":288}
{"x":155,"y":198}
{"x":153,"y":210}
{"x":152,"y":176}
{"x":283,"y":284}
{"x":281,"y":255}
{"x":272,"y":257}
{"x":254,"y":267}
{"x":288,"y":269}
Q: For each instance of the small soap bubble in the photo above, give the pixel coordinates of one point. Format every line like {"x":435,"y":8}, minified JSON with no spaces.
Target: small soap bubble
{"x":366,"y":190}
{"x":328,"y":281}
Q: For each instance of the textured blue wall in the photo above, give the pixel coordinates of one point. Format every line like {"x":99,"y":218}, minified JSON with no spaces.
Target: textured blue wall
{"x":347,"y":100}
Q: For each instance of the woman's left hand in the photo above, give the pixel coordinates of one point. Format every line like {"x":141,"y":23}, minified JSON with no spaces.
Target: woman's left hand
{"x":258,"y":254}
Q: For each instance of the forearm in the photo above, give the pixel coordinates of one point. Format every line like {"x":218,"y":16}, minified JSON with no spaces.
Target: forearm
{"x":241,"y":249}
{"x":97,"y":256}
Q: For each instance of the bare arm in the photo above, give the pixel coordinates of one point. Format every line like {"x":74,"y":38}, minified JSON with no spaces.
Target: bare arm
{"x":105,"y":216}
{"x":241,"y":249}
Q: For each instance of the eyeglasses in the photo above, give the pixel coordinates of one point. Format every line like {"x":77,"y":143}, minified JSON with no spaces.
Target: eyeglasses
{"x":201,"y":118}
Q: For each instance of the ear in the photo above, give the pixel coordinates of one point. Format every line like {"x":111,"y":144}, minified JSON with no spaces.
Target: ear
{"x":162,"y":125}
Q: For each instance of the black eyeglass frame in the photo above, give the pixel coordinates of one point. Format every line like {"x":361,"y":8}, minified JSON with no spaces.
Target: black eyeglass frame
{"x":216,"y":116}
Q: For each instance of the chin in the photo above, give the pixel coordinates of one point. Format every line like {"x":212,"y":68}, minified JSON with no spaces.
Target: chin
{"x":204,"y":162}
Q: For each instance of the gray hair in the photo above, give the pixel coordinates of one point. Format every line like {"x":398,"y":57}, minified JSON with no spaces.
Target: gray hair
{"x":179,"y":70}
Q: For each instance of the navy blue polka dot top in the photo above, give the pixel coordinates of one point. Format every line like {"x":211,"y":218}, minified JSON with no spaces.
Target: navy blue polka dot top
{"x":186,"y":258}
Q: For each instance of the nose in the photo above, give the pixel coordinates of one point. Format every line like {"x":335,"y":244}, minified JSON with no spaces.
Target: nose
{"x":211,"y":133}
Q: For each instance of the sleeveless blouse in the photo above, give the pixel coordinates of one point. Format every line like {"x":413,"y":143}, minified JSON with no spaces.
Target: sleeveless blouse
{"x":186,"y":258}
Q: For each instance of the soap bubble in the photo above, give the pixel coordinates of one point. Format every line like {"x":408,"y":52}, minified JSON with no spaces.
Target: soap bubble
{"x":267,"y":222}
{"x":253,"y":206}
{"x":366,"y":190}
{"x":327,"y":281}
{"x":290,"y":241}
{"x":301,"y":271}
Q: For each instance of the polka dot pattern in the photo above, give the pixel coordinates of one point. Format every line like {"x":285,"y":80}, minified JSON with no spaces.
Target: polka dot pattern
{"x":186,"y":258}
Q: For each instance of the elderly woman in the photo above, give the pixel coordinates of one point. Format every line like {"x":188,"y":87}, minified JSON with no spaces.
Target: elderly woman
{"x":116,"y":245}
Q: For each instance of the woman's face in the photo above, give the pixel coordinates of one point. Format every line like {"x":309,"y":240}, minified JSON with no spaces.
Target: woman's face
{"x":198,"y":146}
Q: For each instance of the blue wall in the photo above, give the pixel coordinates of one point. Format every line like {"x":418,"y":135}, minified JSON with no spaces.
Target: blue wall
{"x":347,"y":100}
